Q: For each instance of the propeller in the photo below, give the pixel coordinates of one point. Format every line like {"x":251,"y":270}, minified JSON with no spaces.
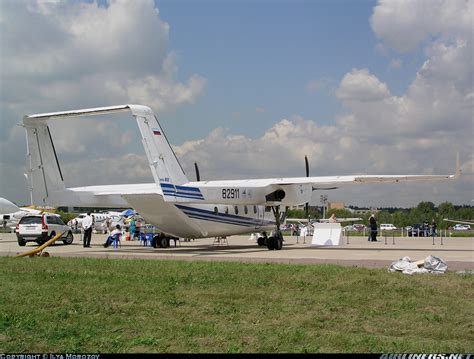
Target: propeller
{"x":198,"y":177}
{"x":306,"y":207}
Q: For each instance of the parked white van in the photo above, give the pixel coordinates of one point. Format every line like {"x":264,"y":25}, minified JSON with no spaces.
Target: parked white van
{"x":387,"y":227}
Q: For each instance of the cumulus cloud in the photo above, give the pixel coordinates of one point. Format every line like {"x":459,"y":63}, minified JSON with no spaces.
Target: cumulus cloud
{"x":284,"y":143}
{"x":119,"y":51}
{"x":127,"y":168}
{"x":280,"y":152}
{"x":420,"y":131}
{"x":361,"y":86}
{"x":62,"y":55}
{"x":437,"y":106}
{"x":378,"y":133}
{"x":404,"y":24}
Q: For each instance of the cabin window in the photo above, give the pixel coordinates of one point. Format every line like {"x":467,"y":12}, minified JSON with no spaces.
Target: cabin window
{"x":255,"y":209}
{"x":246,"y":210}
{"x":216,"y":211}
{"x":236,"y":210}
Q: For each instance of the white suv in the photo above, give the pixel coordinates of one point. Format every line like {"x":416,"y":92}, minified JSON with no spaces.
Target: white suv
{"x":387,"y":227}
{"x":40,"y":228}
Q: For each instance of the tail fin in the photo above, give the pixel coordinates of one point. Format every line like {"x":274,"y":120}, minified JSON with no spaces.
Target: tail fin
{"x":44,"y":172}
{"x":164,"y":165}
{"x":43,"y":167}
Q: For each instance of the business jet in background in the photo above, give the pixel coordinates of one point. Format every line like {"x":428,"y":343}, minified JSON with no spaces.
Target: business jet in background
{"x":176,"y":206}
{"x":10,"y":213}
{"x":7,"y":207}
{"x":99,"y":220}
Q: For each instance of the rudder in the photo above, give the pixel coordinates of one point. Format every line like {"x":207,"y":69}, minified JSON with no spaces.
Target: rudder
{"x":44,"y":172}
{"x":163,"y":162}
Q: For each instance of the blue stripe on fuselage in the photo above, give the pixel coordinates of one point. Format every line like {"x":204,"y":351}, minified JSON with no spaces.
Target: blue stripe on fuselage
{"x":207,"y":215}
{"x":181,"y":191}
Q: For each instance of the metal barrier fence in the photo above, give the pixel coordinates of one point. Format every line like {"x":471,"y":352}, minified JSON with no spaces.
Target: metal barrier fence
{"x":397,"y":233}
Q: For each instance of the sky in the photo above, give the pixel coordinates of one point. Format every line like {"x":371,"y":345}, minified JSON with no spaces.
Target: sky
{"x":246,"y":89}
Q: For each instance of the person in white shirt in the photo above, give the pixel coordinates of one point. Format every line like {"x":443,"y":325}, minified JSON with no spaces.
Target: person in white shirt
{"x":303,"y":233}
{"x":87,"y":226}
{"x":110,"y":238}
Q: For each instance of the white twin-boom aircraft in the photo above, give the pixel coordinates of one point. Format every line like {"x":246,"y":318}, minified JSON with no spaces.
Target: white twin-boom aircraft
{"x":176,"y":206}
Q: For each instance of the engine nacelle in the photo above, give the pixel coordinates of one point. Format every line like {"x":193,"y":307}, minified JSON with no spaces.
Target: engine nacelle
{"x":276,"y":196}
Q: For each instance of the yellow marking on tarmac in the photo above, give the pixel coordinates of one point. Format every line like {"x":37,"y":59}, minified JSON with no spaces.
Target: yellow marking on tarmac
{"x":41,"y":247}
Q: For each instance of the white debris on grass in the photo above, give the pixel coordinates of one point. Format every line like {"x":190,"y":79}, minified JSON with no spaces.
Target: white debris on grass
{"x":431,"y":264}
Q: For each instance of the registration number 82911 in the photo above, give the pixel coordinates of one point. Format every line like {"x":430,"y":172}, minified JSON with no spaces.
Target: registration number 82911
{"x":230,"y":193}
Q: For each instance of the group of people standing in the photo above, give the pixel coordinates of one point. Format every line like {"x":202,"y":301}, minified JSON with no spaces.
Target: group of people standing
{"x":88,"y":223}
{"x":429,"y":230}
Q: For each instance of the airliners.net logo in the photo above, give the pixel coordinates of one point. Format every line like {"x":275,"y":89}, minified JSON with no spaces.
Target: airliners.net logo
{"x":427,"y":356}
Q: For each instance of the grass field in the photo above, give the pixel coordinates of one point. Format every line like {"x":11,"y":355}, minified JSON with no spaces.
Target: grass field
{"x":110,"y":305}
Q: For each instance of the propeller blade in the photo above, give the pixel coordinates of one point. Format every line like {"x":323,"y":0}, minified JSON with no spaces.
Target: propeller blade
{"x":306,"y":207}
{"x":307,"y":165}
{"x":198,"y":177}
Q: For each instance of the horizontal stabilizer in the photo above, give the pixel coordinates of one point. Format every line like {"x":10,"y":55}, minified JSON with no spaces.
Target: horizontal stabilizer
{"x":76,"y":113}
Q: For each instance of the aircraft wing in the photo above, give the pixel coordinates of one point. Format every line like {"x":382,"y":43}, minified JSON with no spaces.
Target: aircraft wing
{"x":273,"y":191}
{"x":286,"y":191}
{"x":465,"y":221}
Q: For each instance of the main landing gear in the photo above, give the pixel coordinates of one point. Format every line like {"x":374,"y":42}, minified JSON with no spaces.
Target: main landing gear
{"x":163,"y":241}
{"x":276,"y":240}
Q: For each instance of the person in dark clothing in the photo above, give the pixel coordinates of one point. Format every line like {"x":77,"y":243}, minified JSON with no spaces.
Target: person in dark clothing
{"x":433,"y":228}
{"x":426,"y":229}
{"x":373,"y":229}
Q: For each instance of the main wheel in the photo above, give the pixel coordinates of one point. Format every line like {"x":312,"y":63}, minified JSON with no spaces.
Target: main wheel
{"x":164,"y":242}
{"x":278,"y":243}
{"x":271,"y":242}
{"x":261,"y":241}
{"x":69,"y":238}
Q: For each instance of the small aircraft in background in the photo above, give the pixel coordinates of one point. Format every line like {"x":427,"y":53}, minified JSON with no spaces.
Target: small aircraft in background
{"x":10,"y":214}
{"x":7,"y":207}
{"x":176,"y":206}
{"x":461,"y":224}
{"x":99,"y":220}
{"x":462,"y":221}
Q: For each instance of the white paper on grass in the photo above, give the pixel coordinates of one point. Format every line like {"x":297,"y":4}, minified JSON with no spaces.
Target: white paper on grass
{"x":431,"y":264}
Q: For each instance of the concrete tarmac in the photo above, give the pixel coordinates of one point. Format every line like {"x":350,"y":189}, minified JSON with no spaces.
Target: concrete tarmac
{"x":458,"y":253}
